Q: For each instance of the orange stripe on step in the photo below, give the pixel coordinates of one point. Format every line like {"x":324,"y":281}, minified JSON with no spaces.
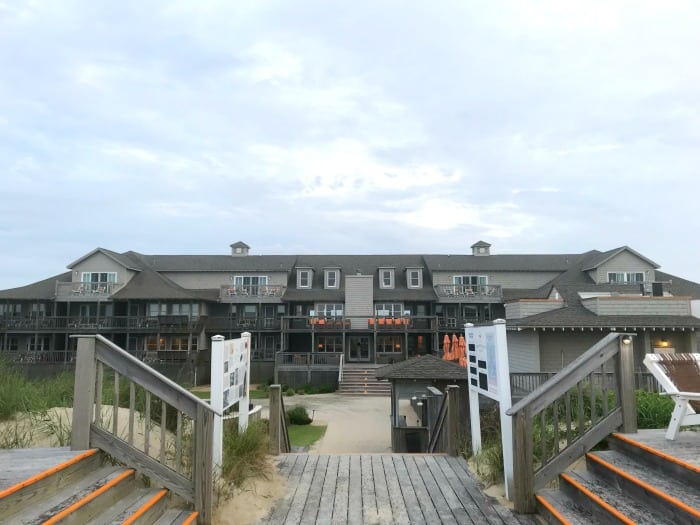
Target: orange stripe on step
{"x":46,"y":473}
{"x":144,"y":508}
{"x":658,"y":453}
{"x":87,"y":499}
{"x":609,"y":508}
{"x":647,"y":487}
{"x":191,"y":518}
{"x":554,"y":511}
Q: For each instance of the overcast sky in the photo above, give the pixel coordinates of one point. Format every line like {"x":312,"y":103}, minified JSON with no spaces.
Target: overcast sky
{"x":180,"y":127}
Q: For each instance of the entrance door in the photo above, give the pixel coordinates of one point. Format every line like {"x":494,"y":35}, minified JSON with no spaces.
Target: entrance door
{"x":359,"y":348}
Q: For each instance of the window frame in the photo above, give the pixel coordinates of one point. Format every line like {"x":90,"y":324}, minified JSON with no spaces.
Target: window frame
{"x":327,"y":280}
{"x":383,"y":273}
{"x":627,"y":277}
{"x":304,"y":274}
{"x":409,"y":278}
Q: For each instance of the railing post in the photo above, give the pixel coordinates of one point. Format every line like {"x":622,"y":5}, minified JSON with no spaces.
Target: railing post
{"x":523,"y":470}
{"x":84,"y":394}
{"x":453,"y":434}
{"x":628,"y":400}
{"x":203,"y":475}
{"x":275,"y":423}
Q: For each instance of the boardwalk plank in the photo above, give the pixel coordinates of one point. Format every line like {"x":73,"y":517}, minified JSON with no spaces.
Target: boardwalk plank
{"x":301,"y":495}
{"x":355,"y":514}
{"x":475,"y":491}
{"x":279,"y":513}
{"x":313,"y":501}
{"x":434,"y":490}
{"x":415,"y":513}
{"x":426,"y":503}
{"x":325,"y":507}
{"x":369,"y":500}
{"x":396,"y":501}
{"x":381,"y":491}
{"x":432,"y":463}
{"x":340,"y":504}
{"x":458,"y":482}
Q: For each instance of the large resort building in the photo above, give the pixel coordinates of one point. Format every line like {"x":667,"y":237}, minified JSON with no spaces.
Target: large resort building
{"x":314,"y":311}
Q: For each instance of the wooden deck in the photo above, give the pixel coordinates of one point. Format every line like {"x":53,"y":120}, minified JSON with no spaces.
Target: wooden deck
{"x":384,"y":489}
{"x":20,"y":464}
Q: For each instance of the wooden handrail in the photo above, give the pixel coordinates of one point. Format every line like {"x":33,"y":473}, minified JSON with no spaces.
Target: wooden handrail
{"x":279,"y":434}
{"x":94,"y":352}
{"x":556,"y":396}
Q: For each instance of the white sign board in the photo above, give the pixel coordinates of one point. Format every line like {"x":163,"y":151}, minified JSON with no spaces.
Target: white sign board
{"x":488,"y":374}
{"x":230,"y":383}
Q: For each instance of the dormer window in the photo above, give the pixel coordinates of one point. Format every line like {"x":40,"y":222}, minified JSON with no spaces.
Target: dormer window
{"x":386,"y":278}
{"x":414,"y":278}
{"x":331,"y":278}
{"x":625,"y":277}
{"x":304,"y":278}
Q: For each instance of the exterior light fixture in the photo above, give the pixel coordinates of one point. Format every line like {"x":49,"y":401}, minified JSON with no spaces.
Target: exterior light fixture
{"x":419,"y":404}
{"x":626,"y":340}
{"x":663,"y":343}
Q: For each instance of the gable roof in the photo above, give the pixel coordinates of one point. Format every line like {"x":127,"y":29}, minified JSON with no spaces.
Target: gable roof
{"x":423,"y":367}
{"x":606,"y":256}
{"x":117,"y":257}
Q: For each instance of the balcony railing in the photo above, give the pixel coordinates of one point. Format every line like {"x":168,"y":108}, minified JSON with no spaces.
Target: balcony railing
{"x":317,"y":359}
{"x":85,"y":291}
{"x":243,"y":293}
{"x":357,"y":323}
{"x":469,"y":292}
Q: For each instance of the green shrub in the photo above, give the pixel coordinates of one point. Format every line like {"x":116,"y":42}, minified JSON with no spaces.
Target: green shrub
{"x":245,"y":454}
{"x":289,"y":391}
{"x":325,"y":389}
{"x":298,"y":416}
{"x":653,"y":410}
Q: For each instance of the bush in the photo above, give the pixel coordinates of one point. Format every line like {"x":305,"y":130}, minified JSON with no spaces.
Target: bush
{"x":326,"y":389}
{"x":289,"y":391}
{"x":245,"y":454}
{"x":653,"y":410}
{"x":298,"y":416}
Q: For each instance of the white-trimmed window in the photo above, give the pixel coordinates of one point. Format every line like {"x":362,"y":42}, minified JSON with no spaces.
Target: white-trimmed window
{"x":331,"y":278}
{"x":388,"y":309}
{"x":625,"y":277}
{"x":386,"y":277}
{"x":249,"y":283}
{"x":329,"y":309}
{"x":414,"y":278}
{"x":303,"y":278}
{"x":98,"y":281}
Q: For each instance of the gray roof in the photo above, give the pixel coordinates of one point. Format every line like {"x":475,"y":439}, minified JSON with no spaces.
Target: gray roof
{"x":45,"y":289}
{"x":120,"y":258}
{"x":606,"y":256}
{"x":151,"y":285}
{"x":423,"y":367}
{"x":678,"y":286}
{"x":219,"y":263}
{"x":503,"y":263}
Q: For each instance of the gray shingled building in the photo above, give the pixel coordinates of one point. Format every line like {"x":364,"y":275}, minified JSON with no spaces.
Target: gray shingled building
{"x":306,"y":313}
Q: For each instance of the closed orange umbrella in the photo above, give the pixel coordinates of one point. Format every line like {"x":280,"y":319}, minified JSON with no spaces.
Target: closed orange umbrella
{"x":462,"y":347}
{"x":454,"y":354}
{"x":446,"y":354}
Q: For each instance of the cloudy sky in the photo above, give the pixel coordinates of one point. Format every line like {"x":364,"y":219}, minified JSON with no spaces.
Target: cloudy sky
{"x":179,"y":127}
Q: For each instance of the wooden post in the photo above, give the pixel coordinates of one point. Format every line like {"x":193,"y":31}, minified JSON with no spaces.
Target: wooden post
{"x":628,"y":400}
{"x":275,"y":423}
{"x":523,"y":469}
{"x":203,"y":474}
{"x":83,"y":394}
{"x":453,"y":434}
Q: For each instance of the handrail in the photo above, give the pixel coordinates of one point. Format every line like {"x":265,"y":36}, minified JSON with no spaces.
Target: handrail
{"x":340,"y":368}
{"x":279,"y":434}
{"x":190,"y":476}
{"x":560,"y":405}
{"x":437,"y":431}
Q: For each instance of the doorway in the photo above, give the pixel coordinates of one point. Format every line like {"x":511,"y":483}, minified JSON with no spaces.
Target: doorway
{"x":359,"y":349}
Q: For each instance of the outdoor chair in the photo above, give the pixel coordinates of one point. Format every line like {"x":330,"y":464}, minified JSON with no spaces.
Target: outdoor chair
{"x":679,"y":375}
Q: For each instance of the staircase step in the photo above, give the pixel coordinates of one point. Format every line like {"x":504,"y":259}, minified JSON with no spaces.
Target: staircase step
{"x":555,"y":507}
{"x":177,"y":517}
{"x":140,"y":506}
{"x":655,"y":459}
{"x":607,"y":503}
{"x":37,"y":488}
{"x":672,"y":497}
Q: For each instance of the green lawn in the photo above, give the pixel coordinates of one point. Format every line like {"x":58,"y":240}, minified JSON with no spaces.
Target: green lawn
{"x":305,"y":435}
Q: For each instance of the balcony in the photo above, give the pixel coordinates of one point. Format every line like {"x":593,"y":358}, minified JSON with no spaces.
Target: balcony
{"x":376,"y":324}
{"x":79,"y":291}
{"x":468,"y":293}
{"x":269,"y":293}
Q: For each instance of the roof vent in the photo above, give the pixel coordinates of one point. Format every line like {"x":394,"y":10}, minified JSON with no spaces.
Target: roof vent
{"x":481,"y":248}
{"x":239,"y":249}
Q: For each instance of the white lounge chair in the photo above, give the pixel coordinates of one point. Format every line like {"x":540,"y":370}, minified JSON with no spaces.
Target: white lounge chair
{"x":679,"y":375}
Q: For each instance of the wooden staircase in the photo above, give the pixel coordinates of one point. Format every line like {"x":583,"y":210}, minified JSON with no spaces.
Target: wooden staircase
{"x":87,"y":488}
{"x":630,"y":483}
{"x":359,"y":379}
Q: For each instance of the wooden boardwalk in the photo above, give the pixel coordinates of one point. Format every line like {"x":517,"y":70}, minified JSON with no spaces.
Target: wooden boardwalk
{"x":685,"y":447}
{"x":20,"y":464}
{"x":384,"y":489}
